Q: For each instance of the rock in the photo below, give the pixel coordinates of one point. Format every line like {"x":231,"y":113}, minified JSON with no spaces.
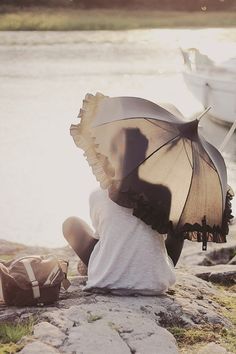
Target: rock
{"x":78,"y":280}
{"x":225,"y":278}
{"x":153,"y":344}
{"x":96,"y":338}
{"x":221,"y":274}
{"x":192,"y":253}
{"x":12,"y":314}
{"x":84,"y":322}
{"x":212,"y":348}
{"x":115,"y":329}
{"x":232,"y":261}
{"x":144,"y":336}
{"x":38,"y":348}
{"x":191,"y":305}
{"x":219,"y":268}
{"x":49,"y":334}
{"x":221,"y":256}
{"x":207,"y":261}
{"x":57,"y":318}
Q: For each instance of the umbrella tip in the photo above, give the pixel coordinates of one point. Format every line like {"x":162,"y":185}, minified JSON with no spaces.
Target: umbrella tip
{"x":203,"y":113}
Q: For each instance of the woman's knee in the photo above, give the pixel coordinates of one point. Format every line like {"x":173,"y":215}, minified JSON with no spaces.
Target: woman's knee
{"x":69,"y":226}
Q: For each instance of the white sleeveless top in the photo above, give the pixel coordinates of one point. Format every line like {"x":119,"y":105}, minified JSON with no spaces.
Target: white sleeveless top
{"x":129,"y":257}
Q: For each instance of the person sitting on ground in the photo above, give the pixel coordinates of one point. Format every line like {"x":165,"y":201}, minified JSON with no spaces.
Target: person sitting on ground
{"x":123,"y":255}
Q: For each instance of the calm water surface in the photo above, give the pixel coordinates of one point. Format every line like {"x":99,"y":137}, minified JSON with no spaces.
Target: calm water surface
{"x":43,"y":79}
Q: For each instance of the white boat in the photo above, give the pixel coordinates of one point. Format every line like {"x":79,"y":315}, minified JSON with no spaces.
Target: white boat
{"x":213,"y":85}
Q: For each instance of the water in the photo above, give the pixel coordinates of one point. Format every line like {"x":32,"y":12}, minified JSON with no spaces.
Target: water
{"x":43,"y":79}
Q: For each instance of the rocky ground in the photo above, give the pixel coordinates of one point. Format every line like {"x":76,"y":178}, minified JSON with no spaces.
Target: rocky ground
{"x":197,"y":315}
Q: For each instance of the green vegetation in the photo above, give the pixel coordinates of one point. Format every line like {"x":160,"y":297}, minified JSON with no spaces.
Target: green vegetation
{"x":92,"y":318}
{"x":228,"y":306}
{"x":10,"y":348}
{"x":43,"y":19}
{"x":113,"y":326}
{"x":6,"y":257}
{"x":193,"y":338}
{"x":11,"y":333}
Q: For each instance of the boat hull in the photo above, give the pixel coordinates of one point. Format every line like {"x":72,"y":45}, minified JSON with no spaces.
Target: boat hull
{"x":215,"y":92}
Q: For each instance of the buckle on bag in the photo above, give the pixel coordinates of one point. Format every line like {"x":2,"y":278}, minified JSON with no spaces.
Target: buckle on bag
{"x":35,"y":288}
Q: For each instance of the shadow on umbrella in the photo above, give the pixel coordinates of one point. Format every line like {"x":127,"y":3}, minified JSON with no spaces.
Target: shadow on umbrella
{"x":157,"y":164}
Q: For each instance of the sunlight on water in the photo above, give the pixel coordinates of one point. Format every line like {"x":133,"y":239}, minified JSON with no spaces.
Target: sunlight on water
{"x":44,"y":77}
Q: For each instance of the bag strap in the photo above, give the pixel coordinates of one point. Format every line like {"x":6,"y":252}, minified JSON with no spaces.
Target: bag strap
{"x":52,"y":276}
{"x":31,"y":275}
{"x":64,"y":266}
{"x":24,"y":258}
{"x":35,"y":286}
{"x":1,"y":291}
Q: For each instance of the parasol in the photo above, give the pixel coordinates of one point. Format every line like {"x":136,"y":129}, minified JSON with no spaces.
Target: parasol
{"x":152,"y":161}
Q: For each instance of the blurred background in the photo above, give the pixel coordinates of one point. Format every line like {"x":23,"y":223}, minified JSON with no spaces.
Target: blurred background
{"x":52,"y":55}
{"x":180,"y":5}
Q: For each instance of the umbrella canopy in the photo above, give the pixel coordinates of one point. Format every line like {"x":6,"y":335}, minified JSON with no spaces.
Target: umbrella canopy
{"x":154,"y":162}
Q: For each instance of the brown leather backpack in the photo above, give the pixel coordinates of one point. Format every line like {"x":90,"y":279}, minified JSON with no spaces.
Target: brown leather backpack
{"x":32,"y":280}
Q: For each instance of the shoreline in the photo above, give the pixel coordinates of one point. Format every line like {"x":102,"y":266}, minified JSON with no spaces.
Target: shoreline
{"x":67,"y":19}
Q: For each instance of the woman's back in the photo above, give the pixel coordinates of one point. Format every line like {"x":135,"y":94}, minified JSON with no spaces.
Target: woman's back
{"x":130,"y":256}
